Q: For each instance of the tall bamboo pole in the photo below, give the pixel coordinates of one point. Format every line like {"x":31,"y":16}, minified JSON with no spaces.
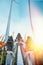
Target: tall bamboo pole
{"x":30,"y":17}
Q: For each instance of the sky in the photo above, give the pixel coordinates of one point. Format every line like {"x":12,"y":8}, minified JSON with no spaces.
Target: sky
{"x":20,"y":21}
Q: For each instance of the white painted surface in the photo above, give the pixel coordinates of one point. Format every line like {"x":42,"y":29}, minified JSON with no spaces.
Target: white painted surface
{"x":19,"y":57}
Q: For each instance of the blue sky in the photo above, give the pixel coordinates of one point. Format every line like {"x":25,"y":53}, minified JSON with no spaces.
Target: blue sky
{"x":20,"y":15}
